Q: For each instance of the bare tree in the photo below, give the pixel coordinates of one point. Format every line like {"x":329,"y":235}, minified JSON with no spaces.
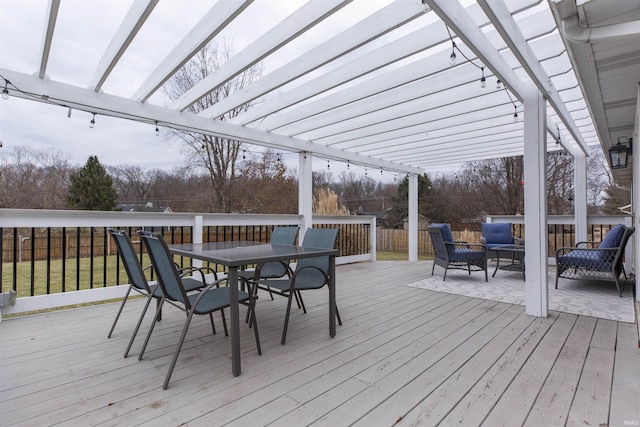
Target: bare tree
{"x":264,"y":186}
{"x":560,"y":183}
{"x":32,"y":179}
{"x":499,"y":183}
{"x":217,"y":156}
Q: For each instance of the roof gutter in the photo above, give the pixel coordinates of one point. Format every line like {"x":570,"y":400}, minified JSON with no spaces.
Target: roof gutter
{"x":575,"y":33}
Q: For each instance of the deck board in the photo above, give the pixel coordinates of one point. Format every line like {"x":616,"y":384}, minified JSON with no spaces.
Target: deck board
{"x":404,"y":356}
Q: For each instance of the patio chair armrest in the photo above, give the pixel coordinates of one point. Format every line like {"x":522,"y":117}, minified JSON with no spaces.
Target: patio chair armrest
{"x":204,"y":290}
{"x":518,"y":241}
{"x":587,"y":244}
{"x":470,"y":246}
{"x":183,"y":271}
{"x":257,"y":271}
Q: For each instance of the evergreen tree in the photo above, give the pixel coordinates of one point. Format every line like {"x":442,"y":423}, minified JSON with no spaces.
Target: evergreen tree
{"x":91,"y":188}
{"x":401,"y":200}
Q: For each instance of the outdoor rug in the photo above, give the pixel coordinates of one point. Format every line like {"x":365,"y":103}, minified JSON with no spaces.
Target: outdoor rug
{"x":586,"y":298}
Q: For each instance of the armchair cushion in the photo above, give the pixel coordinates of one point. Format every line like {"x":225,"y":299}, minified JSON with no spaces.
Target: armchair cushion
{"x":497,"y":234}
{"x":447,"y":236}
{"x":613,"y":237}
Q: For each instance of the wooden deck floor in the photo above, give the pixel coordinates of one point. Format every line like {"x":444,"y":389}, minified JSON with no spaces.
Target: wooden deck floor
{"x":404,"y":356}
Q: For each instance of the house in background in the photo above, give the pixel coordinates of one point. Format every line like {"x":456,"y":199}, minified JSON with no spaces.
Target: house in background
{"x":144,"y":207}
{"x":423,"y":222}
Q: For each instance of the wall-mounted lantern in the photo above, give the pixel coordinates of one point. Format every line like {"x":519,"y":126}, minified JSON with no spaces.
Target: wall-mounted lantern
{"x":619,"y":153}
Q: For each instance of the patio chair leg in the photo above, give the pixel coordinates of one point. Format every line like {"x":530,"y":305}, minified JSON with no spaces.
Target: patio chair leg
{"x":146,"y":341}
{"x":618,"y":286}
{"x":135,"y":331}
{"x":286,"y":318}
{"x":254,"y":323}
{"x":213,"y":327}
{"x":224,"y":323}
{"x":300,"y":302}
{"x":177,"y":352}
{"x":119,"y":311}
{"x":159,"y":309}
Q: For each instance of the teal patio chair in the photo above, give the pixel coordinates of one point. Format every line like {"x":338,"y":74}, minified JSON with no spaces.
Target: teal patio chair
{"x":309,"y":273}
{"x":205,"y":302}
{"x":138,"y":282}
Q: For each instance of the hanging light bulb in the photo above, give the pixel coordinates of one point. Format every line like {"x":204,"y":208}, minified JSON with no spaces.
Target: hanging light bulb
{"x":92,"y":123}
{"x":515,"y":114}
{"x":328,"y":165}
{"x":483,"y":80}
{"x":498,"y":84}
{"x":157,"y":130}
{"x":452,"y":57}
{"x":5,"y":91}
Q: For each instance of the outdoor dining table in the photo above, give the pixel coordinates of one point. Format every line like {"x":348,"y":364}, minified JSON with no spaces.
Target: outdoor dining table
{"x":235,"y":255}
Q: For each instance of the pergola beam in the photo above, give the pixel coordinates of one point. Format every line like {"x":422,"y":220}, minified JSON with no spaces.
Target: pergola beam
{"x":218,"y":18}
{"x":456,"y":17}
{"x":297,"y":23}
{"x":43,"y":90}
{"x":131,"y":24}
{"x":47,"y":35}
{"x":512,"y":35}
{"x":372,"y":27}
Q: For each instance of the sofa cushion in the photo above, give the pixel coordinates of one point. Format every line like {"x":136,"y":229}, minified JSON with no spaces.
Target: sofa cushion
{"x":498,"y":233}
{"x":588,"y":259}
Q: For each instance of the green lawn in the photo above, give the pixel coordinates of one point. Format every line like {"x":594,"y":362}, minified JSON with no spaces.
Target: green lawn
{"x":23,"y":274}
{"x":399,"y":256}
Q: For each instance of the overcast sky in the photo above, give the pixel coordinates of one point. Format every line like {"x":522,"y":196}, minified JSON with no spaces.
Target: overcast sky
{"x":83,"y":32}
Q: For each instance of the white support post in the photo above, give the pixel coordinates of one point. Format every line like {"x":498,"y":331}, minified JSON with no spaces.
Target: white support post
{"x":413,"y":217}
{"x":197,"y":237}
{"x":535,"y":202}
{"x":305,"y":192}
{"x":635,"y":197}
{"x":580,"y":196}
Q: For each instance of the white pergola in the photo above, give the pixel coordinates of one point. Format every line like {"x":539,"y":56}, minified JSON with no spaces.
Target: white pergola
{"x":372,"y":83}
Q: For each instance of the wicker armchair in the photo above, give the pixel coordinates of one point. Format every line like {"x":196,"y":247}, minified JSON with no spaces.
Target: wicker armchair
{"x":602,"y":262}
{"x":451,"y":254}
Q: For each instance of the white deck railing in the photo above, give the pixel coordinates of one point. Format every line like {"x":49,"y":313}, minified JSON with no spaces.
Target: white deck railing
{"x":30,"y":219}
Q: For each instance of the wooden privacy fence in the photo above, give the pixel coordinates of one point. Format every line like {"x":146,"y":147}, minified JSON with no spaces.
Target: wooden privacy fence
{"x":398,"y":240}
{"x":559,"y":236}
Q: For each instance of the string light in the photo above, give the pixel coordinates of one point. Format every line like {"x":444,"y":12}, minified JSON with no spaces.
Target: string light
{"x":515,"y":107}
{"x":348,"y":164}
{"x":244,"y":154}
{"x":452,"y":59}
{"x":498,"y":84}
{"x":328,"y":165}
{"x":92,"y":123}
{"x":5,"y":91}
{"x":157,"y":130}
